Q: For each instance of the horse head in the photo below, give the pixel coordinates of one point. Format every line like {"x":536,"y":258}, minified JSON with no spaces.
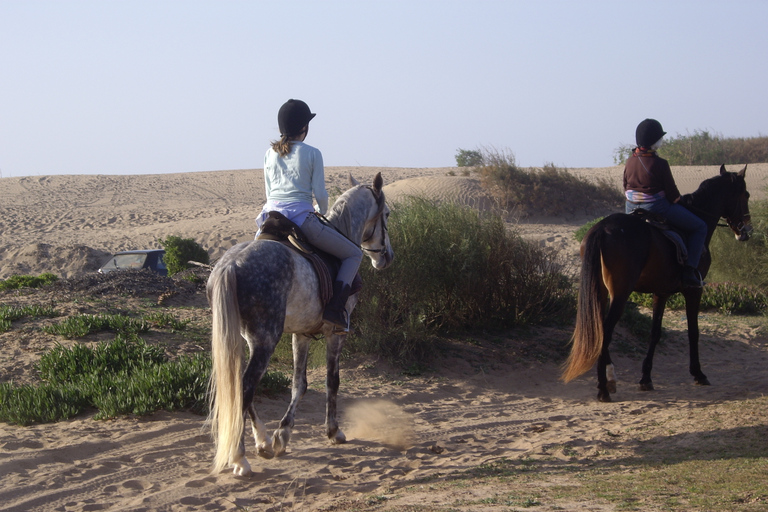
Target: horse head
{"x":736,"y":208}
{"x":375,"y":239}
{"x":362,"y":214}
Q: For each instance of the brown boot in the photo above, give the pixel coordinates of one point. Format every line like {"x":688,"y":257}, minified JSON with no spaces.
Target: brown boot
{"x":334,"y":313}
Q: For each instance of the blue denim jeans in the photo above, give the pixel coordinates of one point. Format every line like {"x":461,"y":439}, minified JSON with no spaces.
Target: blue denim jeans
{"x":682,"y":218}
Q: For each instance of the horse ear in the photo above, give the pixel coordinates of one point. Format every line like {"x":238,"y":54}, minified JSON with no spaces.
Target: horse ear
{"x":378,"y":182}
{"x":742,"y":172}
{"x":722,"y":170}
{"x":352,"y":181}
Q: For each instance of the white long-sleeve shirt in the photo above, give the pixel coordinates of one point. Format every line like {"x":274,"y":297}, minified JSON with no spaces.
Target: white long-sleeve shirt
{"x":296,"y":176}
{"x":292,"y":180}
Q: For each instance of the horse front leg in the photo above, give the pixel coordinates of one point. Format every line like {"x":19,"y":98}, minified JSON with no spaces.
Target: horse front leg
{"x":299,"y":386}
{"x":659,"y":304}
{"x":692,"y":304}
{"x":333,"y":348}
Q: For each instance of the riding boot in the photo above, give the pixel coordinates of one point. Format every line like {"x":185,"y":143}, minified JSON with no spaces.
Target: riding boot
{"x":691,"y":277}
{"x":334,"y":313}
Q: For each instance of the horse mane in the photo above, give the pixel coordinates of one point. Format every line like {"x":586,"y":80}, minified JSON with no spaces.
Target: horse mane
{"x":712,"y":187}
{"x":341,"y":216}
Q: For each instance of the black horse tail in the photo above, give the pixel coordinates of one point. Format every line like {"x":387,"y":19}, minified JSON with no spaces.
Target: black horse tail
{"x":587,"y":340}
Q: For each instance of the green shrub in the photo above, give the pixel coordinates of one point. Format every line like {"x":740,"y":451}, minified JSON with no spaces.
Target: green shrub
{"x":548,"y":190}
{"x":454,"y":269}
{"x":469,"y":158}
{"x":582,"y":231}
{"x":21,"y":281}
{"x":179,"y":251}
{"x":703,"y":148}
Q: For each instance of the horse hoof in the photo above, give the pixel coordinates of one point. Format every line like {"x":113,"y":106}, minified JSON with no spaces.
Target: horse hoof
{"x":611,"y":386}
{"x":646,"y":386}
{"x":242,"y":468}
{"x":702,"y":381}
{"x":280,"y":441}
{"x":265,"y":450}
{"x":338,"y":437}
{"x":604,"y":397}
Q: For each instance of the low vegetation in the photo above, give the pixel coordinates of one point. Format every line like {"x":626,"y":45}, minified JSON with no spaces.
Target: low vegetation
{"x":548,"y":190}
{"x":19,"y":281}
{"x":124,"y":376}
{"x":10,"y":314}
{"x":704,"y":148}
{"x":456,"y":269}
{"x":180,"y":251}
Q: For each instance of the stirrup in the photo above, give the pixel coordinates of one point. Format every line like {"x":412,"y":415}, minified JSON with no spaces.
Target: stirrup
{"x":337,"y":328}
{"x":690,"y":284}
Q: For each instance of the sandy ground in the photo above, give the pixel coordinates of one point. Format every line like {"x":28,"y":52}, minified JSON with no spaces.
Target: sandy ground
{"x":407,"y":434}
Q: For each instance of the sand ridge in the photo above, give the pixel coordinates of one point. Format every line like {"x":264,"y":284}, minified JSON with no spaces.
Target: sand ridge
{"x":412,"y":438}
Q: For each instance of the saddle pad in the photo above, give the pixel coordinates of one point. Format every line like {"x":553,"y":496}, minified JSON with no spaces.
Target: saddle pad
{"x":660,"y":223}
{"x":279,"y":229}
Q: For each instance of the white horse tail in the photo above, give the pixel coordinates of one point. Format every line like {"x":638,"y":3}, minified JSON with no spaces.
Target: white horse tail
{"x":226,"y":386}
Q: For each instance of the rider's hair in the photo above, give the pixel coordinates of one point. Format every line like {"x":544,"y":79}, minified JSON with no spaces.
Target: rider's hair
{"x":283,"y":146}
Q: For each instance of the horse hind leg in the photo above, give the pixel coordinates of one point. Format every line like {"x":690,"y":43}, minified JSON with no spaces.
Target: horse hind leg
{"x":299,"y":386}
{"x":333,"y":354}
{"x":260,"y":353}
{"x":606,"y":375}
{"x":659,"y":304}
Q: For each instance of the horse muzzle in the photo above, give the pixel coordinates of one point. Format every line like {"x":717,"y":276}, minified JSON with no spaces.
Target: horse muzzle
{"x":744,"y":232}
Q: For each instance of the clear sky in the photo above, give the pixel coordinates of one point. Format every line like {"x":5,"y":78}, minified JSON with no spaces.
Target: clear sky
{"x":137,"y":87}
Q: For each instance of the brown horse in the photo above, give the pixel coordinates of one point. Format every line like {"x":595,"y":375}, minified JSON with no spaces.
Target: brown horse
{"x":622,"y":253}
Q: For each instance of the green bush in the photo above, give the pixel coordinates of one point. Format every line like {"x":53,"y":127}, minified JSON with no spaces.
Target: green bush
{"x":469,"y":158}
{"x":548,"y":190}
{"x":20,"y":281}
{"x":703,"y":148}
{"x":582,"y":231}
{"x":454,"y":269}
{"x":179,"y":251}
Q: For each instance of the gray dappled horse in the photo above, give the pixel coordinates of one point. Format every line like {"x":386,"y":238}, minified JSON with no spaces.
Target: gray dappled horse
{"x":257,"y":291}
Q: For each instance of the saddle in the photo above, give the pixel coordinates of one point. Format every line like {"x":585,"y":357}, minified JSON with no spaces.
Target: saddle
{"x":660,"y":222}
{"x":277,"y":227}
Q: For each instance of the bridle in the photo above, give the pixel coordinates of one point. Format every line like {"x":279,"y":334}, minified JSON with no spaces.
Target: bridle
{"x":742,"y":228}
{"x":384,"y":229}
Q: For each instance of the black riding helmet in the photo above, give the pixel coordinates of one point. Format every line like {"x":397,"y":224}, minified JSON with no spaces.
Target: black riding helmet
{"x":648,"y":133}
{"x":292,"y":117}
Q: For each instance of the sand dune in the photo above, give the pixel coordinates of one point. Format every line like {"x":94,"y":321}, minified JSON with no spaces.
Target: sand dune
{"x":70,"y":224}
{"x":409,"y":436}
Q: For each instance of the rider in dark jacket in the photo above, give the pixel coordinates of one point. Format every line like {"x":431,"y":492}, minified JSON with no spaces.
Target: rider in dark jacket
{"x":648,"y":184}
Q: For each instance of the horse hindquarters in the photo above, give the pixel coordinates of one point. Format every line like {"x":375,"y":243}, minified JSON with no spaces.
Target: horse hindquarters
{"x":613,"y":255}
